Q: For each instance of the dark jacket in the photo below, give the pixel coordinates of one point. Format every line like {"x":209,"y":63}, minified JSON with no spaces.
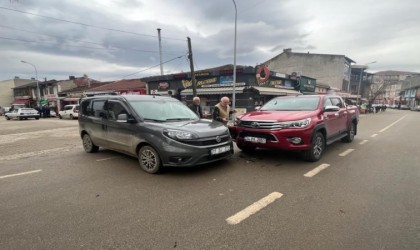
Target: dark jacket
{"x":196,"y":109}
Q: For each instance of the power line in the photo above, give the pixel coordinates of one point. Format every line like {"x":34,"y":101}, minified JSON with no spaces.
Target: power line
{"x":105,"y":47}
{"x":76,"y":46}
{"x":88,"y":25}
{"x":154,"y":66}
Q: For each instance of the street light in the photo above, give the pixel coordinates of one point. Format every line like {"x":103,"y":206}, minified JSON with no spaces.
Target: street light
{"x":362,"y":67}
{"x":38,"y":98}
{"x":234,"y":67}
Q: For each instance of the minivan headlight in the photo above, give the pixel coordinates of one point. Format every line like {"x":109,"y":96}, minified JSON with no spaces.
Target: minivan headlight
{"x":296,"y":124}
{"x":179,"y":134}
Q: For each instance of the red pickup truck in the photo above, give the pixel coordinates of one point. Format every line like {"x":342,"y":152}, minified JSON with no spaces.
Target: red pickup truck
{"x":305,"y":123}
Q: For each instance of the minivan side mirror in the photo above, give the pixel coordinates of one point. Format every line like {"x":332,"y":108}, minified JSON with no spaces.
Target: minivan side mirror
{"x":125,"y":118}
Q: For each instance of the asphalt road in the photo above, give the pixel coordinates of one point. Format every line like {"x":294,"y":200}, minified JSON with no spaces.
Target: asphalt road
{"x":365,"y":196}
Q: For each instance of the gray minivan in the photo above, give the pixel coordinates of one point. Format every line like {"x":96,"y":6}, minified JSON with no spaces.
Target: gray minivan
{"x":159,"y":131}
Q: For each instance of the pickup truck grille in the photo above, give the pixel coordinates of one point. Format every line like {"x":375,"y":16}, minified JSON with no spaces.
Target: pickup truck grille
{"x":260,"y":124}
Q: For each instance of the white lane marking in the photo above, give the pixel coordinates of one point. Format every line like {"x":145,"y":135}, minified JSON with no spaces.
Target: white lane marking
{"x":348,"y":151}
{"x":252,"y":209}
{"x":110,"y":158}
{"x":34,"y":153}
{"x":392,"y":124}
{"x":23,"y":173}
{"x":316,"y":170}
{"x":374,"y":135}
{"x":363,"y":142}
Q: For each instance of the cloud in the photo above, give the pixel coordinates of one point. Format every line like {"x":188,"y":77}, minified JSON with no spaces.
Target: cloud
{"x":108,"y":39}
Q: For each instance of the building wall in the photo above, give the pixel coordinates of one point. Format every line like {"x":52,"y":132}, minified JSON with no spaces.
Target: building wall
{"x":326,"y":69}
{"x":6,"y":91}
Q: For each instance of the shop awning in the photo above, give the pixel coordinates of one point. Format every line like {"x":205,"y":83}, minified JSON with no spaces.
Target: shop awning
{"x":21,"y":101}
{"x":276,"y":91}
{"x":71,"y":99}
{"x":213,"y":91}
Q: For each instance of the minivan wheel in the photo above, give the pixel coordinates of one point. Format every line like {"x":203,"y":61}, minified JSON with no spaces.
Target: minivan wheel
{"x":317,"y":148}
{"x":88,"y":145}
{"x":149,"y":160}
{"x":71,"y":117}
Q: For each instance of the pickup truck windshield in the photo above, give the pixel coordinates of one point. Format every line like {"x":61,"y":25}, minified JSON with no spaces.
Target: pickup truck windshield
{"x":292,"y":103}
{"x":163,"y":111}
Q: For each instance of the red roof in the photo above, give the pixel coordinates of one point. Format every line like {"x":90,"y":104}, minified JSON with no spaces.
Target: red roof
{"x":130,"y":84}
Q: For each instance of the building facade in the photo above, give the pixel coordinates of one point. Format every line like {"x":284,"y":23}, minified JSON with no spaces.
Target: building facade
{"x":329,"y":70}
{"x":254,"y":86}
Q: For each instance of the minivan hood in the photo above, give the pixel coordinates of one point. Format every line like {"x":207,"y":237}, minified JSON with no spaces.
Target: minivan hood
{"x":202,"y":127}
{"x":277,"y":115}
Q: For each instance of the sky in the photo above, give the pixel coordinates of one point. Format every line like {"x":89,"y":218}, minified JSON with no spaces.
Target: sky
{"x":118,"y":39}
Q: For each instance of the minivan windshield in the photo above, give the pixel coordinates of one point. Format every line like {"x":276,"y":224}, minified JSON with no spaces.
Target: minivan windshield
{"x":292,"y":103}
{"x":163,"y":110}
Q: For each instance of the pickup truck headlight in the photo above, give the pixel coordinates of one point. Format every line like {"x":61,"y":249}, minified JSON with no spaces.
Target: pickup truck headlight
{"x":179,"y":134}
{"x":296,"y":124}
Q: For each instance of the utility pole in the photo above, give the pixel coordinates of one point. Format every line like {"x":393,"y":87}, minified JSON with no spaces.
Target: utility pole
{"x":190,"y":57}
{"x":160,"y":52}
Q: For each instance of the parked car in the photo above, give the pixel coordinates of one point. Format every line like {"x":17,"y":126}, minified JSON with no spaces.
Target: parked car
{"x":159,"y":131}
{"x":404,"y":107}
{"x":415,"y":108}
{"x":22,"y":113}
{"x":52,"y":113}
{"x":69,"y":111}
{"x":305,"y":123}
{"x":4,"y":110}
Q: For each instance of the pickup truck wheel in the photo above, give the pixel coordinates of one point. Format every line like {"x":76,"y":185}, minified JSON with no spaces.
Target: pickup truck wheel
{"x":317,"y":148}
{"x":88,"y":145}
{"x":350,"y":133}
{"x":246,"y":149}
{"x":149,"y":160}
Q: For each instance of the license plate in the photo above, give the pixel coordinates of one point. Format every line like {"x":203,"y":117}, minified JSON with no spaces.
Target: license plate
{"x":221,"y":150}
{"x":255,"y":139}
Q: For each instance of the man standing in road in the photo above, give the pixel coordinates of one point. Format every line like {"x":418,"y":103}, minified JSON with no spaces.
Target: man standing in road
{"x":195,"y":106}
{"x":222,"y":110}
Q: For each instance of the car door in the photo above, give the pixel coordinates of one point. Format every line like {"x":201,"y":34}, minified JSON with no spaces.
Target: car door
{"x":119,"y":134}
{"x":97,"y":124}
{"x":341,"y":122}
{"x":66,"y":113}
{"x":331,"y":119}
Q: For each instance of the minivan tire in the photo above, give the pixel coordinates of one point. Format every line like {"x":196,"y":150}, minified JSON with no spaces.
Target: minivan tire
{"x":149,"y":160}
{"x":71,"y":117}
{"x":88,"y":145}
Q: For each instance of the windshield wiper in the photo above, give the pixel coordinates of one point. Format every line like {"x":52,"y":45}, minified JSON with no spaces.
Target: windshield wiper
{"x":153,"y":120}
{"x":179,"y":119}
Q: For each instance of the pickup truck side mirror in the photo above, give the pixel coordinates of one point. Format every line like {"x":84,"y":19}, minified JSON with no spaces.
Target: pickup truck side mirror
{"x":331,"y":108}
{"x":257,"y":108}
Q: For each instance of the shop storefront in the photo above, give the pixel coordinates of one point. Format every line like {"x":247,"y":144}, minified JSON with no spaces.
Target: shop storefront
{"x":254,"y":86}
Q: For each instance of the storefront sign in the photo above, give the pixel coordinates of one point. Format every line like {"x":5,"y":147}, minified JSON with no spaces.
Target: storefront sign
{"x":202,"y":74}
{"x":226,"y":79}
{"x":188,"y":83}
{"x":163,"y":85}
